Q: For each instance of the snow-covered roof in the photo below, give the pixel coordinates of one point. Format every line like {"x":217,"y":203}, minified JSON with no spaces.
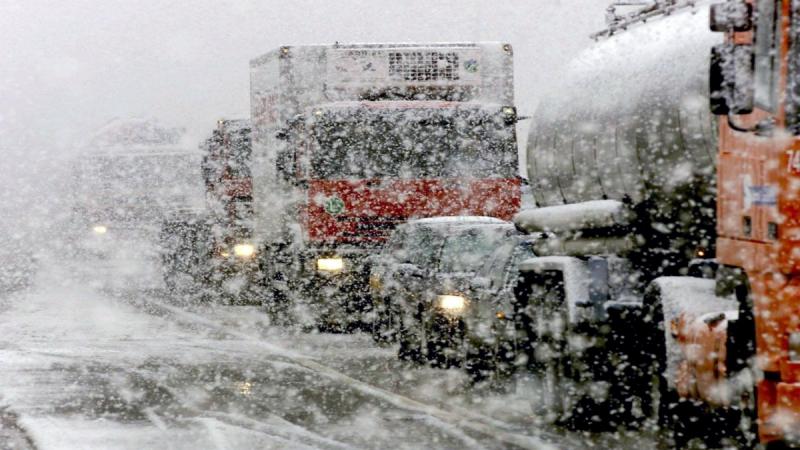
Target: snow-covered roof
{"x":408,"y":104}
{"x":135,"y":132}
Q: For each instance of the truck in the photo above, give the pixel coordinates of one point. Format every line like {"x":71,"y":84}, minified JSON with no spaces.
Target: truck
{"x":124,"y":180}
{"x":227,"y":176}
{"x":351,"y":140}
{"x":205,"y":249}
{"x":673,"y":252}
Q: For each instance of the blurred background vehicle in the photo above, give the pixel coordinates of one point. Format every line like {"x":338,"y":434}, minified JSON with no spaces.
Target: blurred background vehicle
{"x":129,"y":176}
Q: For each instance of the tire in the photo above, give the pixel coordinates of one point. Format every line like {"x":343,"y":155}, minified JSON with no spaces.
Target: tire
{"x":480,"y":363}
{"x":444,"y":342}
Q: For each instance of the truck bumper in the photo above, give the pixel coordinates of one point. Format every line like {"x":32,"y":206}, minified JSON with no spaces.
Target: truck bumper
{"x":240,"y":279}
{"x":338,"y":300}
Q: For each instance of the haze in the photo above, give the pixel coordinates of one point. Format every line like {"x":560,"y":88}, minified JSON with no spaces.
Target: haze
{"x":69,"y":67}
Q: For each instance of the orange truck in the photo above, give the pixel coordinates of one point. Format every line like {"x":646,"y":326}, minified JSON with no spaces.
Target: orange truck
{"x":748,"y":357}
{"x":676,"y":227}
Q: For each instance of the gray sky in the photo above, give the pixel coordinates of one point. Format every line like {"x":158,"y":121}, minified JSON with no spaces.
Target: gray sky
{"x":70,"y":66}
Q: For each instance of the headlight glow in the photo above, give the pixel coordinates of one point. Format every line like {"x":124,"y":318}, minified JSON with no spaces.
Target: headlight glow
{"x":375,"y":282}
{"x":452,"y":304}
{"x":335,"y":264}
{"x":244,"y":250}
{"x":99,"y":229}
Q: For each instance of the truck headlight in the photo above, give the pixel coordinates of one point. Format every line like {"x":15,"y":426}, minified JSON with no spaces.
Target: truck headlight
{"x":794,"y":347}
{"x":99,"y":229}
{"x":375,"y":282}
{"x":244,"y":250}
{"x":333,"y":264}
{"x":452,"y":304}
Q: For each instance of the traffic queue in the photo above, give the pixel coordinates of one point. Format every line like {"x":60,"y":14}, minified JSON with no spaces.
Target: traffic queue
{"x":654,"y":281}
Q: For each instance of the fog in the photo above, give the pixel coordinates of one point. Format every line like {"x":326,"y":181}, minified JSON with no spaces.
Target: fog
{"x":69,"y":67}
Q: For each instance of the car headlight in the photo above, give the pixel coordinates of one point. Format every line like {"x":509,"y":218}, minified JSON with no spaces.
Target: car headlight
{"x":333,"y":264}
{"x":452,"y":304}
{"x":244,"y":250}
{"x":99,"y":229}
{"x":375,"y":282}
{"x":794,"y":347}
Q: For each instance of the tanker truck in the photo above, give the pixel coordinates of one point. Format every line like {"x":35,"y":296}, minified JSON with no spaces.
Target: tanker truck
{"x":351,"y":140}
{"x":670,"y":275}
{"x":622,"y":161}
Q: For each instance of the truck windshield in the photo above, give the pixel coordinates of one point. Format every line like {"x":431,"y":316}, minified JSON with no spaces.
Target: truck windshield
{"x":414,"y":143}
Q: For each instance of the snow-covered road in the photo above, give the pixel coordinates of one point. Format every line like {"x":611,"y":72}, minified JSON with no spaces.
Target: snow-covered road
{"x":80,"y":368}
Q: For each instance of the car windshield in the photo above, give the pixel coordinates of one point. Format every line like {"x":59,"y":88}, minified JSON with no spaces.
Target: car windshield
{"x":413,"y":143}
{"x":418,"y":247}
{"x":466,"y":251}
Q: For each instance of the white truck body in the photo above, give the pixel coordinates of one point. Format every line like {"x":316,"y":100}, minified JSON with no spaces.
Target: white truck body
{"x":290,"y":81}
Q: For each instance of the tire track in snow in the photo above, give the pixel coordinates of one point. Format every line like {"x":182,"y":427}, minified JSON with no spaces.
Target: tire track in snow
{"x":12,"y":434}
{"x":467,"y":420}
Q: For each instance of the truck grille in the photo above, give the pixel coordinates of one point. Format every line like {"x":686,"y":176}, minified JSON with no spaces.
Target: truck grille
{"x":370,"y":227}
{"x":423,"y":66}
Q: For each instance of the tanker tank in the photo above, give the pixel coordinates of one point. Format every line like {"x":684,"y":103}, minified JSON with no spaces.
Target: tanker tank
{"x":630,"y":121}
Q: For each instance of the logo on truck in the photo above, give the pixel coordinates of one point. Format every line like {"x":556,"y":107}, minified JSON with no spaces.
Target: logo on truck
{"x":334,"y":206}
{"x":471,"y":65}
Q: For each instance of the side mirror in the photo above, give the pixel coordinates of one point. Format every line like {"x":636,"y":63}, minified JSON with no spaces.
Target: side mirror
{"x":731,"y":79}
{"x":735,"y":15}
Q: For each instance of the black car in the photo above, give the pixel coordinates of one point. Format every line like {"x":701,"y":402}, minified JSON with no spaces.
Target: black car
{"x":481,"y":334}
{"x":418,"y":280}
{"x":410,"y":262}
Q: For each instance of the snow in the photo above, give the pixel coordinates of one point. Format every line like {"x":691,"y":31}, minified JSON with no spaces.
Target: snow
{"x":457,"y":220}
{"x":87,"y":369}
{"x":576,"y":216}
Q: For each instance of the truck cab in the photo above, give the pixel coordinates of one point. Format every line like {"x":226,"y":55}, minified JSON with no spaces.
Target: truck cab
{"x":350,"y":141}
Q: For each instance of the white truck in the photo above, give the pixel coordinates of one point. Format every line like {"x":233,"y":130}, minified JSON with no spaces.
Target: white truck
{"x":351,"y":140}
{"x":127,"y":178}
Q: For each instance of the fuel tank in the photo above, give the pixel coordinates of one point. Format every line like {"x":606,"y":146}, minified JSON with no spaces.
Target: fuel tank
{"x":630,"y":121}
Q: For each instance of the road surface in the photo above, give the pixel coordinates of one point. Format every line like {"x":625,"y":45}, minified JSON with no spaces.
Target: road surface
{"x":84,"y":367}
